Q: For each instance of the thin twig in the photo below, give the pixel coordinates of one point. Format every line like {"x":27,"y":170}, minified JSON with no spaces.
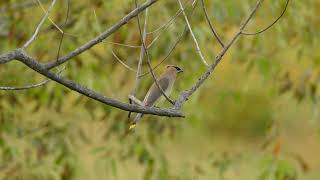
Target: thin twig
{"x":169,"y":22}
{"x":169,"y":53}
{"x":62,"y":35}
{"x":25,"y":87}
{"x":142,"y":51}
{"x":30,"y":86}
{"x":210,"y":25}
{"x":45,"y":11}
{"x":268,"y":27}
{"x":121,"y":62}
{"x":149,"y":64}
{"x":33,"y":37}
{"x":174,"y":45}
{"x":193,"y":36}
{"x":124,"y":45}
{"x":156,"y":66}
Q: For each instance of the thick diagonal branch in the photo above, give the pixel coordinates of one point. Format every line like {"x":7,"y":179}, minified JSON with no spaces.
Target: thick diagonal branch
{"x":186,"y":94}
{"x":20,"y":55}
{"x":101,"y":37}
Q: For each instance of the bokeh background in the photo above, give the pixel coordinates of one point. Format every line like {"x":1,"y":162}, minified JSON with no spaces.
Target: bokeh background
{"x":256,"y":117}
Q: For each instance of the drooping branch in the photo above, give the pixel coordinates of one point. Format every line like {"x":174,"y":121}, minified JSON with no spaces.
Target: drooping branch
{"x":268,"y":27}
{"x":210,"y":25}
{"x":29,"y":86}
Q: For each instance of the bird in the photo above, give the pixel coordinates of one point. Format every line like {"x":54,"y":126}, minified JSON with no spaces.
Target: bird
{"x":166,"y":82}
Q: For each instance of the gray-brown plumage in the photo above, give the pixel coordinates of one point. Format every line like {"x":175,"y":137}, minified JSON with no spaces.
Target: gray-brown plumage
{"x":166,"y":82}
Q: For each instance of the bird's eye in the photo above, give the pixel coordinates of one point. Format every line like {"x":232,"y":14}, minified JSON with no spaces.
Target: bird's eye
{"x":178,"y":69}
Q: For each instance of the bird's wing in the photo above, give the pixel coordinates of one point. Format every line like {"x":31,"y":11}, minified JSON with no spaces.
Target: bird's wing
{"x":155,"y":93}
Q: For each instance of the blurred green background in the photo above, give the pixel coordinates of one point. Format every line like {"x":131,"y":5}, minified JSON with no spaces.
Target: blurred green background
{"x":256,"y":117}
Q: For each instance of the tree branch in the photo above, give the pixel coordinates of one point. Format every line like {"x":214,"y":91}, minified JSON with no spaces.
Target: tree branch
{"x":191,"y":32}
{"x":7,"y":57}
{"x":268,"y":27}
{"x":33,"y":37}
{"x":101,"y":37}
{"x":30,"y":86}
{"x":210,"y":25}
{"x":186,"y":94}
{"x":33,"y":64}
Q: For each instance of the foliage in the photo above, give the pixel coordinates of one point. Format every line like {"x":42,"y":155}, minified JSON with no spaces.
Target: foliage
{"x":53,"y":133}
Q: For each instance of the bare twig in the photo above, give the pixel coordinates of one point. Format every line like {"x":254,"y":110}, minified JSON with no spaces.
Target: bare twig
{"x":170,"y":21}
{"x":191,"y":32}
{"x":142,"y":51}
{"x":62,"y":35}
{"x":124,"y":45}
{"x":25,"y":87}
{"x":102,"y":36}
{"x":268,"y":27}
{"x":33,"y":37}
{"x":210,"y":25}
{"x":29,"y":86}
{"x":174,"y":45}
{"x":149,"y":64}
{"x":158,"y":65}
{"x":45,"y":11}
{"x":121,"y":62}
{"x":169,"y":53}
{"x":186,"y":94}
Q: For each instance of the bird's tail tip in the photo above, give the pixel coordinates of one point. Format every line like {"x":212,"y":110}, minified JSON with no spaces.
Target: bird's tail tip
{"x":132,"y":126}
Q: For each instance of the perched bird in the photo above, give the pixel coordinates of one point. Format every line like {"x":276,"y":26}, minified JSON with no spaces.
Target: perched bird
{"x":166,"y":82}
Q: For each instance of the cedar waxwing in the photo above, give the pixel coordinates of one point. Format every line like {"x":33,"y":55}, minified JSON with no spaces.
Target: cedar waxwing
{"x":166,"y":82}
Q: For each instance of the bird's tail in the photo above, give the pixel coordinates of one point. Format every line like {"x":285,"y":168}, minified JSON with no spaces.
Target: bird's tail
{"x":138,"y":117}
